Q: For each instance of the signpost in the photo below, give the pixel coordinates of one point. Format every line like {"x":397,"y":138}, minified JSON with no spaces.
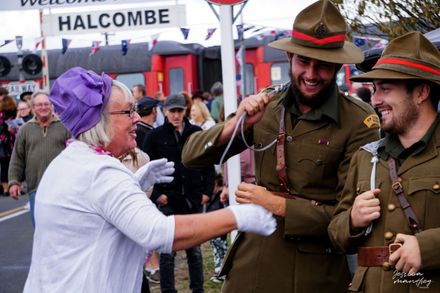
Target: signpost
{"x":114,"y":20}
{"x":42,"y":4}
{"x":229,"y":85}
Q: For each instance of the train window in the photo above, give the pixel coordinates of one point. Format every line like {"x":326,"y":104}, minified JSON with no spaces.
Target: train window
{"x":176,"y":80}
{"x":279,"y":72}
{"x":249,"y":84}
{"x":130,"y":79}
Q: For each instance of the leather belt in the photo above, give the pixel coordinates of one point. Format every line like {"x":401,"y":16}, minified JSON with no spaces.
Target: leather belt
{"x":376,"y":256}
{"x":291,"y":196}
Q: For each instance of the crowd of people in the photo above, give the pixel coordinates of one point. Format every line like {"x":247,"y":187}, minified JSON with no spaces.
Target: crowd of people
{"x":341,"y":193}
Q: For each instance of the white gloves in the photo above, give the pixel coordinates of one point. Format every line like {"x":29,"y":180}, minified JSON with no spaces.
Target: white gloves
{"x":156,"y":171}
{"x":253,"y":218}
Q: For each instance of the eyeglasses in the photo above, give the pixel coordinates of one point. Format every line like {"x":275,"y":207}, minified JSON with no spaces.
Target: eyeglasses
{"x":130,"y":112}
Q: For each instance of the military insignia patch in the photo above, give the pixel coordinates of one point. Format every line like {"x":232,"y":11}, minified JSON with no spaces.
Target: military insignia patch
{"x":320,"y":31}
{"x":372,"y":120}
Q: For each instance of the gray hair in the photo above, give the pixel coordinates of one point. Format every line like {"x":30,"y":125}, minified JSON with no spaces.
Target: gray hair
{"x":37,"y":93}
{"x":217,"y":89}
{"x":101,"y":133}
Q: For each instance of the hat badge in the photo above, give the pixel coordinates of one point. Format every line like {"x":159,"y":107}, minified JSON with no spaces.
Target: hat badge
{"x":320,"y":31}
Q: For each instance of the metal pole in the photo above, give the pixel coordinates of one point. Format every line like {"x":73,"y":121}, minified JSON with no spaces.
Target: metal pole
{"x":44,"y":59}
{"x":229,"y":91}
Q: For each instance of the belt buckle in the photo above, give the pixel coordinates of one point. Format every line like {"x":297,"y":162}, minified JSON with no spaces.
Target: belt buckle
{"x":393,"y":247}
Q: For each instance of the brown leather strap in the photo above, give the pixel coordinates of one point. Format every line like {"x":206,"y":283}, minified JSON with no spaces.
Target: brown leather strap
{"x":373,"y":256}
{"x":376,"y":256}
{"x":291,"y":196}
{"x":411,"y":217}
{"x":281,"y":159}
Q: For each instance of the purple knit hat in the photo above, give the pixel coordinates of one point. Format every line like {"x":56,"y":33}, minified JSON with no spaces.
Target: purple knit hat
{"x":79,"y":97}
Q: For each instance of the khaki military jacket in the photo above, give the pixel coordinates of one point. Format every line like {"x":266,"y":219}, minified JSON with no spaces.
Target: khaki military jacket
{"x":298,"y":257}
{"x":420,"y":175}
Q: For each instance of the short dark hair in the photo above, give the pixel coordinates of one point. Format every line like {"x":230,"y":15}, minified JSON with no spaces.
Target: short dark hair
{"x":141,"y":88}
{"x":364,"y":94}
{"x":434,"y":89}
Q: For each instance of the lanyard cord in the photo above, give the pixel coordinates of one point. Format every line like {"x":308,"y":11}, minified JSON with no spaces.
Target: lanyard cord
{"x":240,"y":122}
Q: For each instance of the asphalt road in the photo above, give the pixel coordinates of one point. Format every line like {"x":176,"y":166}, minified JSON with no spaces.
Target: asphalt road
{"x":16,"y":233}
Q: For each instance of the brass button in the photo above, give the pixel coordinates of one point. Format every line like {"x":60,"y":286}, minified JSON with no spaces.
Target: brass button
{"x":289,"y":138}
{"x":386,"y":266}
{"x":358,"y":189}
{"x":388,"y":235}
{"x":391,"y":207}
{"x":436,"y":186}
{"x":399,"y":179}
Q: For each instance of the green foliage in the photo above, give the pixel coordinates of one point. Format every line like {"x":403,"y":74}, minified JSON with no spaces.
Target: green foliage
{"x":392,"y":17}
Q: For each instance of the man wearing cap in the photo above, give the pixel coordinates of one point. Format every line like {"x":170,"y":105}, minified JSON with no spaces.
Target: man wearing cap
{"x":38,"y":142}
{"x":389,"y":212}
{"x":300,"y":177}
{"x":146,"y":108}
{"x":184,"y":194}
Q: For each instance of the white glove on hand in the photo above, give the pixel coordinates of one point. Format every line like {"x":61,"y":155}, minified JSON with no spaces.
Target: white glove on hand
{"x":156,"y":171}
{"x":253,"y":218}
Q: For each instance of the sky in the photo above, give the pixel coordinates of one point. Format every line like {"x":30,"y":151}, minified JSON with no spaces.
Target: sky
{"x":271,"y":14}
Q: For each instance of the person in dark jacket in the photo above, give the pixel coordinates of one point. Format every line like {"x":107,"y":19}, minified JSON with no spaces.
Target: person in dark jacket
{"x":184,"y":194}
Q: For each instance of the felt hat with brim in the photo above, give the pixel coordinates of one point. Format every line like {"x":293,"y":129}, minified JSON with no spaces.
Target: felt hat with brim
{"x":319,"y":32}
{"x":411,"y":56}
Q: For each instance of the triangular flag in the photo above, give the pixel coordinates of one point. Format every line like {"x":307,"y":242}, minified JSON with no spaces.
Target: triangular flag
{"x":211,"y":31}
{"x":185,"y":32}
{"x":6,"y":42}
{"x":19,"y":42}
{"x":240,"y":31}
{"x":95,"y":47}
{"x":38,"y":42}
{"x":239,"y":56}
{"x":124,"y":46}
{"x":65,"y":43}
{"x":154,"y":40}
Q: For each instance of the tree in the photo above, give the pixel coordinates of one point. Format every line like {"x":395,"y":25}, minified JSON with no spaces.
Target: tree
{"x":390,"y":18}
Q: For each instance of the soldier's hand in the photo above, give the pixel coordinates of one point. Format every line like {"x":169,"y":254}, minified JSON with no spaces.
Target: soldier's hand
{"x":407,"y":258}
{"x":366,"y":208}
{"x":15,"y":191}
{"x":251,"y":193}
{"x":254,"y":106}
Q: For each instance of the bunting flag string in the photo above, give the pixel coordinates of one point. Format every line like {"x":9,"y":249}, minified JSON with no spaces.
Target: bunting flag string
{"x":65,"y":44}
{"x":185,"y":32}
{"x":95,"y":47}
{"x":124,"y":46}
{"x":6,"y":42}
{"x":211,"y":31}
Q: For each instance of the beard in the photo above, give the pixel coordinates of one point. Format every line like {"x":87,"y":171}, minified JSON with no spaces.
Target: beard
{"x":400,"y":123}
{"x":314,"y":101}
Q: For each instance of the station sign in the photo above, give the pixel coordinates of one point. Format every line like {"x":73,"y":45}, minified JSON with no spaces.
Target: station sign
{"x":42,"y":4}
{"x":114,"y":20}
{"x":16,"y":88}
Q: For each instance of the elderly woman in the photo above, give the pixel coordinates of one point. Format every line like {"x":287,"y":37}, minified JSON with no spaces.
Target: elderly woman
{"x":93,"y":220}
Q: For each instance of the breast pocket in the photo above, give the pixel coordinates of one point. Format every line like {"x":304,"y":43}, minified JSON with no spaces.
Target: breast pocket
{"x":424,"y":197}
{"x":316,"y":164}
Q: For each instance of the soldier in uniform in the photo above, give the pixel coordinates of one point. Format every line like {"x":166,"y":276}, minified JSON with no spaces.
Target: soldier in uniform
{"x":389,"y":212}
{"x":300,"y":178}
